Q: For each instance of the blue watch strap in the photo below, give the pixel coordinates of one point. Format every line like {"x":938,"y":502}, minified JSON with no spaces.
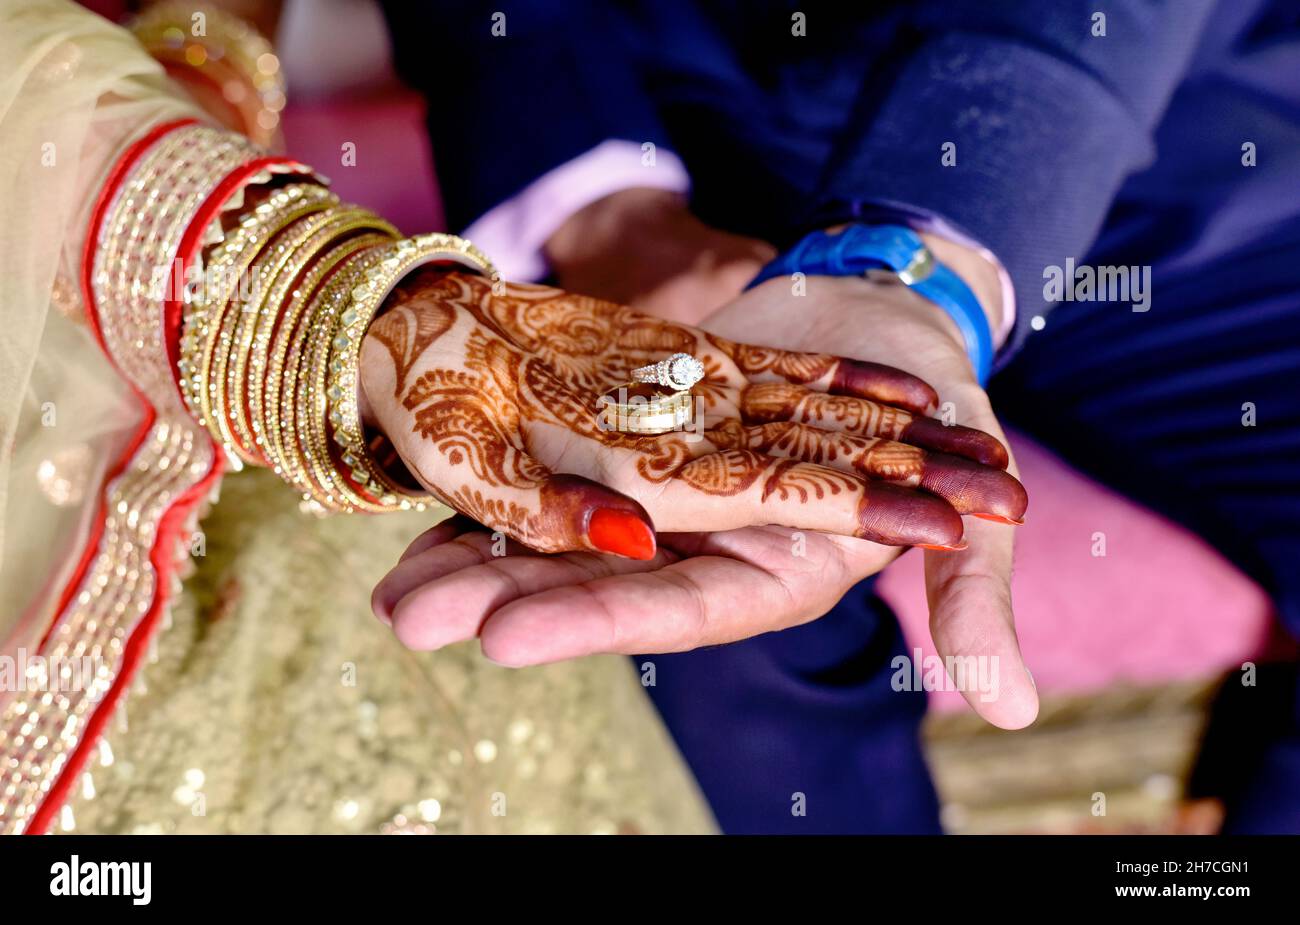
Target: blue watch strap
{"x":945,"y":289}
{"x":861,"y":249}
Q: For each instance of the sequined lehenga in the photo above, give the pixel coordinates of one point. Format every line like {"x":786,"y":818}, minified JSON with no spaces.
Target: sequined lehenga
{"x":236,"y":680}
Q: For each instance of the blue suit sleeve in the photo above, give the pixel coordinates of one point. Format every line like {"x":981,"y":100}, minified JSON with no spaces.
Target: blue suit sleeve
{"x":1047,"y":121}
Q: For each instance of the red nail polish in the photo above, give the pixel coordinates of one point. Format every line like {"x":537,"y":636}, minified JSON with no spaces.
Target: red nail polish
{"x":963,"y":545}
{"x":622,"y":533}
{"x":999,"y":519}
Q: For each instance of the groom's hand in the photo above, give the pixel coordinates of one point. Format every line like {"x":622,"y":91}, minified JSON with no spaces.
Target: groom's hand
{"x":643,"y":247}
{"x":969,"y":592}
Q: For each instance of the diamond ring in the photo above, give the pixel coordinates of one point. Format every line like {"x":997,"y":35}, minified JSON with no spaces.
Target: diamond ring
{"x":678,"y":372}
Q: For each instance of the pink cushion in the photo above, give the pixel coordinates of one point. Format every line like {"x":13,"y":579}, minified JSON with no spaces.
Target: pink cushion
{"x":1161,"y":605}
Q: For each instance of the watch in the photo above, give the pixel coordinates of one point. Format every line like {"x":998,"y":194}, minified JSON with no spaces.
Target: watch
{"x":898,"y":253}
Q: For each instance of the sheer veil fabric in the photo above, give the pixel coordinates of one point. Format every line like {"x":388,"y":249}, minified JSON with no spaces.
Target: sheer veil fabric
{"x":74,"y":89}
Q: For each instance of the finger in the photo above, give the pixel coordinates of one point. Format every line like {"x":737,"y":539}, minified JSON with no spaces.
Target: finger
{"x":444,"y":532}
{"x":734,"y":488}
{"x":444,"y":594}
{"x":971,"y":618}
{"x":699,"y":601}
{"x":971,"y":488}
{"x":769,"y":402}
{"x":822,"y":372}
{"x":971,"y":612}
{"x":437,"y":558}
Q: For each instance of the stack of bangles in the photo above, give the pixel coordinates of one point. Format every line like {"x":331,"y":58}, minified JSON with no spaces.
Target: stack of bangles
{"x":270,"y":284}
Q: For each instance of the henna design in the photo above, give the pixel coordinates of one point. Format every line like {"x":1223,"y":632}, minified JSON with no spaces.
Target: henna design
{"x":872,"y":457}
{"x":857,"y":378}
{"x":779,"y":401}
{"x":408,"y":331}
{"x":532,"y":354}
{"x":794,"y":367}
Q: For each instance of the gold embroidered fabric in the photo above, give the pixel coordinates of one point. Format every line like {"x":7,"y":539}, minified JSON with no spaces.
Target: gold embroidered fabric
{"x":278,"y":704}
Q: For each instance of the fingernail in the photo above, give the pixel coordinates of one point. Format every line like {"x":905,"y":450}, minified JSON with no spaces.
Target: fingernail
{"x":621,"y":533}
{"x":999,"y":519}
{"x":381,"y":606}
{"x":963,"y":545}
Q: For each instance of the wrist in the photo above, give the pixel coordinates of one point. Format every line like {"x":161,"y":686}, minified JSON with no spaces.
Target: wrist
{"x":975,"y":270}
{"x":606,"y":225}
{"x":899,"y":254}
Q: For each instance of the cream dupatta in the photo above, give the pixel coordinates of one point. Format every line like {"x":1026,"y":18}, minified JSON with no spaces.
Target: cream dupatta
{"x":93,"y":480}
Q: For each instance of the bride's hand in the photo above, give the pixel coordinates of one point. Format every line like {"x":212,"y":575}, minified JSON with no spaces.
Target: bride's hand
{"x":490,"y":400}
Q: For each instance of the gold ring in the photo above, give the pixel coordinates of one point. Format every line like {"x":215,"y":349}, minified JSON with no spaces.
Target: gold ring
{"x":643,"y":408}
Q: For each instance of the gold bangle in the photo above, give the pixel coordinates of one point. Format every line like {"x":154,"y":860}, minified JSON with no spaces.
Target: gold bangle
{"x":228,"y":263}
{"x":284,"y":350}
{"x":345,"y":352}
{"x":294,"y":417}
{"x":213,"y":267}
{"x":334,"y":492}
{"x":260,"y":229}
{"x":243,"y":323}
{"x":164,"y":29}
{"x":302,"y":240}
{"x":293,"y":273}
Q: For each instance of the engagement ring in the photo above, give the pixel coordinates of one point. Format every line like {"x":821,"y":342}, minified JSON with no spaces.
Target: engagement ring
{"x":678,"y":372}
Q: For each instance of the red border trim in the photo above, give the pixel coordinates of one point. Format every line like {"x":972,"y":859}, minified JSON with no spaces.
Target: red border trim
{"x":169,"y":527}
{"x":106,"y":194}
{"x":192,"y":242}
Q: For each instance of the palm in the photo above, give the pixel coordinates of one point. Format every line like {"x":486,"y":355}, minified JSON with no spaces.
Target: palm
{"x":700,"y":589}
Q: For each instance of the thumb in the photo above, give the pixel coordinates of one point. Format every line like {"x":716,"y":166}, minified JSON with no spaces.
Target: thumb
{"x":971,"y":618}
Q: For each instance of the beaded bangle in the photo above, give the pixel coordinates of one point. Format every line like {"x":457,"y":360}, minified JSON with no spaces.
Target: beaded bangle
{"x":345,"y":352}
{"x":222,"y":313}
{"x":344,"y":223}
{"x":228,"y":262}
{"x":333,"y":491}
{"x":271,"y":263}
{"x":138,"y":239}
{"x":278,"y":416}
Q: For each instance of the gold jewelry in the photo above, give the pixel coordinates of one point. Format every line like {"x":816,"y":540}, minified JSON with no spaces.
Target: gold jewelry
{"x":292,"y":290}
{"x":138,"y":242}
{"x":333,"y":490}
{"x":231,"y":56}
{"x":228,"y":263}
{"x":643,"y":408}
{"x":280,"y":403}
{"x":345,"y":351}
{"x":222,"y":321}
{"x":302,"y":241}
